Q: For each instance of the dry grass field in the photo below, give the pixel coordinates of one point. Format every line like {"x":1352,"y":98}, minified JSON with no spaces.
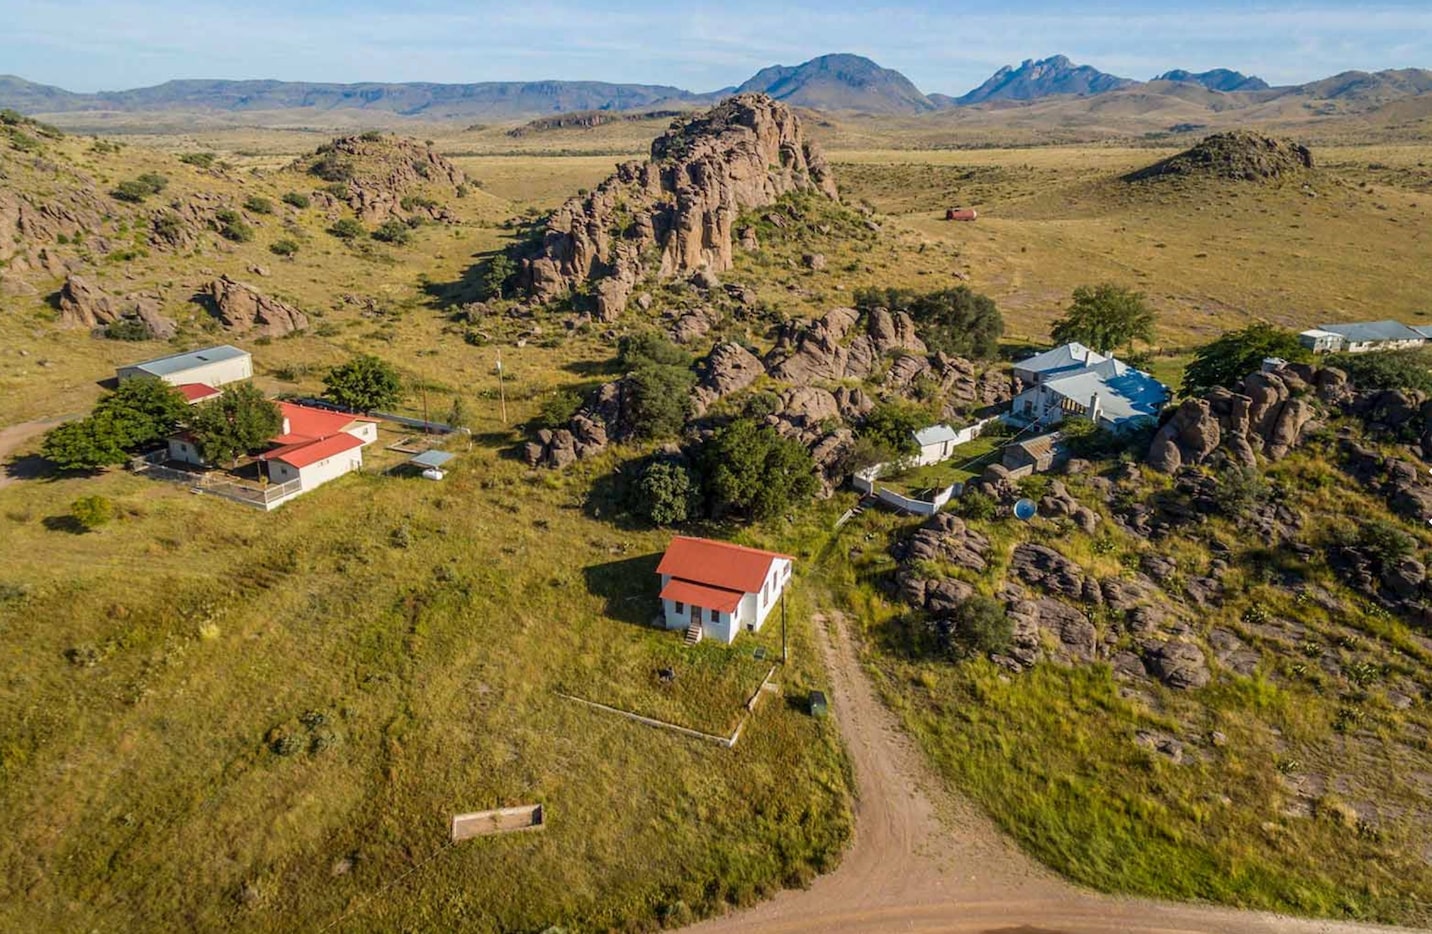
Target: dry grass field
{"x":402,"y":643}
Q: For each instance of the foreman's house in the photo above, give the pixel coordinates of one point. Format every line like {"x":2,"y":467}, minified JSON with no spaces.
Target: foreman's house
{"x":1074,"y":381}
{"x":716,"y":589}
{"x":1363,"y":337}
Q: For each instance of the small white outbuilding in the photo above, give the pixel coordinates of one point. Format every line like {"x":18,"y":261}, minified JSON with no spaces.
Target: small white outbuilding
{"x":716,"y":589}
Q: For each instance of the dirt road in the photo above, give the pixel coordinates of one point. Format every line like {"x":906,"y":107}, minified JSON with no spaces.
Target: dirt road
{"x":13,"y":438}
{"x":924,"y":861}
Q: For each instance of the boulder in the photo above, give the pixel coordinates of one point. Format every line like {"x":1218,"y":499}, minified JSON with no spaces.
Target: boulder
{"x":728,"y":368}
{"x":1041,"y":566}
{"x":245,"y":309}
{"x":1179,"y":665}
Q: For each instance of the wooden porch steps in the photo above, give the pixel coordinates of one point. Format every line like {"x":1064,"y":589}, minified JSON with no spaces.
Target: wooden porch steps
{"x":693,"y":634}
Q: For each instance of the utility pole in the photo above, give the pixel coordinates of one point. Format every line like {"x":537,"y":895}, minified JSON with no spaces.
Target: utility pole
{"x":501,"y":390}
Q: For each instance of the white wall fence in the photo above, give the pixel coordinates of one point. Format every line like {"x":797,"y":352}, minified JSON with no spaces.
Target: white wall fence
{"x":866,"y":481}
{"x":215,"y":483}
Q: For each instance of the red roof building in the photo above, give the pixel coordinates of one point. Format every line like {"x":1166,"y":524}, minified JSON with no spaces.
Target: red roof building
{"x":715,"y":589}
{"x":194,"y":393}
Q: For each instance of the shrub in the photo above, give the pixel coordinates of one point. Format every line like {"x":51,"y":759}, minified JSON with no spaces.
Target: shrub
{"x":660,"y":399}
{"x":258,"y":205}
{"x":1387,"y":370}
{"x":233,"y":227}
{"x":499,"y":274}
{"x":363,"y":384}
{"x":650,"y":347}
{"x":980,"y":626}
{"x":91,"y":512}
{"x":371,"y":136}
{"x":283,"y":247}
{"x":347,"y":228}
{"x":131,"y":191}
{"x":394,"y":232}
{"x":891,"y":426}
{"x":128,"y":329}
{"x":202,"y":160}
{"x":167,"y":226}
{"x":977,"y":505}
{"x":297,"y":198}
{"x":153,"y":182}
{"x":557,"y":409}
{"x":331,"y":167}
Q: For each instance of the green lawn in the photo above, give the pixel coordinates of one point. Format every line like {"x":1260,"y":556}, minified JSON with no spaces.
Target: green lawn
{"x":965,"y":463}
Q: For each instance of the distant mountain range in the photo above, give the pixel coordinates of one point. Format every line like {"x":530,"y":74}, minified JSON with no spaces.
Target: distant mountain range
{"x":839,"y":82}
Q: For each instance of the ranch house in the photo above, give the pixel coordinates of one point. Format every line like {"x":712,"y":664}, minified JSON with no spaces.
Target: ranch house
{"x":716,"y":589}
{"x":1073,"y":380}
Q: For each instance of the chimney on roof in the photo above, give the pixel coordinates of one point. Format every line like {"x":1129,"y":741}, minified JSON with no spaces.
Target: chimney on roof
{"x":1094,"y":407}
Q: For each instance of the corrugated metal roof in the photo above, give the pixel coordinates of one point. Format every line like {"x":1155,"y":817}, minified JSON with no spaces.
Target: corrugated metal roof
{"x":711,"y":598}
{"x":1131,"y":394}
{"x":935,"y":434}
{"x":717,"y":564}
{"x":1363,"y":331}
{"x":301,"y":455}
{"x":1072,"y":355}
{"x":432,"y":458}
{"x":188,"y":360}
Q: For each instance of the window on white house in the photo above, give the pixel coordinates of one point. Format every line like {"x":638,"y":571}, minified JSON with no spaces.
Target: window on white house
{"x":680,"y":607}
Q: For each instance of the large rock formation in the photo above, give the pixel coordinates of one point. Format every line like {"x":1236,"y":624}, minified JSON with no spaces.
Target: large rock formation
{"x":245,"y":309}
{"x":387,"y":176}
{"x":1268,"y":415}
{"x":679,"y":207}
{"x":825,"y":350}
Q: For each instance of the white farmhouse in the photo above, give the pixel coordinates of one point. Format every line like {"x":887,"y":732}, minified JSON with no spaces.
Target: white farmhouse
{"x":208,"y":368}
{"x":1073,"y":380}
{"x":1362,"y":337}
{"x":715,"y":589}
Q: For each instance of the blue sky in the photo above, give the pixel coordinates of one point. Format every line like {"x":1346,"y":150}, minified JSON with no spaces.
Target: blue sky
{"x":950,"y":47}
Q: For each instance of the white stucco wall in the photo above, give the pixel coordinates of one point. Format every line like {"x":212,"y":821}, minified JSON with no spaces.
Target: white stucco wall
{"x":213,"y":373}
{"x":750,"y":614}
{"x":368,"y":431}
{"x":186,"y":452}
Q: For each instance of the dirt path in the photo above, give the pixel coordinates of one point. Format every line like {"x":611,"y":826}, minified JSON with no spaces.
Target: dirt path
{"x":912,"y":868}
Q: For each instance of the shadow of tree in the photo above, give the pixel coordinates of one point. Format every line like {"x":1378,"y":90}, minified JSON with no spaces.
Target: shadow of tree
{"x":30,"y":467}
{"x":64,"y":524}
{"x":629,"y":586}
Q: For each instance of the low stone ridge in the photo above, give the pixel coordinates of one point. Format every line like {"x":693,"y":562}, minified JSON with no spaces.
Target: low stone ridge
{"x":246,"y":310}
{"x":388,"y":176}
{"x":673,"y":214}
{"x":1240,"y":155}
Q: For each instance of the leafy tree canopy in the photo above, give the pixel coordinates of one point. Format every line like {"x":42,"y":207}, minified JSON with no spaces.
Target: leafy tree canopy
{"x":1225,"y":361}
{"x":667,"y":493}
{"x":750,"y":469}
{"x":1104,"y":317}
{"x":959,"y":321}
{"x":239,"y":421}
{"x":138,"y":413}
{"x":363,"y":384}
{"x":660,"y":399}
{"x":892,"y":426}
{"x":650,"y":347}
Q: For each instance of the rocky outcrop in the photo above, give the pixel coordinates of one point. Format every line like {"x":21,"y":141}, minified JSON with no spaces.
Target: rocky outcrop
{"x":1042,"y":566}
{"x":1240,"y":155}
{"x":728,"y":368}
{"x":1072,"y":637}
{"x":246,"y":310}
{"x":945,"y":538}
{"x":1268,"y":415}
{"x":84,"y":304}
{"x":386,"y":177}
{"x":679,"y":207}
{"x":844,"y":344}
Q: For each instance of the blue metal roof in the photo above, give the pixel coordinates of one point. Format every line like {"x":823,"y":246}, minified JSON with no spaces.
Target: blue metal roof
{"x":179,"y":362}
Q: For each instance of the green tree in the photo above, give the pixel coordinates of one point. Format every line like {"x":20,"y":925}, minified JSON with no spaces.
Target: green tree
{"x":666,"y":493}
{"x":239,"y":421}
{"x":892,"y":426}
{"x":1407,"y":369}
{"x":363,"y":384}
{"x":91,"y":512}
{"x":660,"y":399}
{"x":284,"y":247}
{"x":346,"y":228}
{"x":1105,"y":317}
{"x":1225,"y":361}
{"x":980,"y":626}
{"x":750,"y":469}
{"x":458,"y":415}
{"x":650,"y":347}
{"x":232,"y":226}
{"x":144,"y":410}
{"x":959,"y":321}
{"x":87,"y":444}
{"x":557,"y":409}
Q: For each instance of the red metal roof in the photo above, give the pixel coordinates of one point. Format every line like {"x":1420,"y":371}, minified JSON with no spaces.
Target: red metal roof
{"x":310,"y":452}
{"x":717,"y":564}
{"x":197,"y":392}
{"x":711,"y":598}
{"x":308,"y":423}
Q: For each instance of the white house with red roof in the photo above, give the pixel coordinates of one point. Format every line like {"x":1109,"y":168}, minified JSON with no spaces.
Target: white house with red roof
{"x":314,"y":446}
{"x":716,"y":589}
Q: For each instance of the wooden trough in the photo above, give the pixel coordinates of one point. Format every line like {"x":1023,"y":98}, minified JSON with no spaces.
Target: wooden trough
{"x":501,"y":820}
